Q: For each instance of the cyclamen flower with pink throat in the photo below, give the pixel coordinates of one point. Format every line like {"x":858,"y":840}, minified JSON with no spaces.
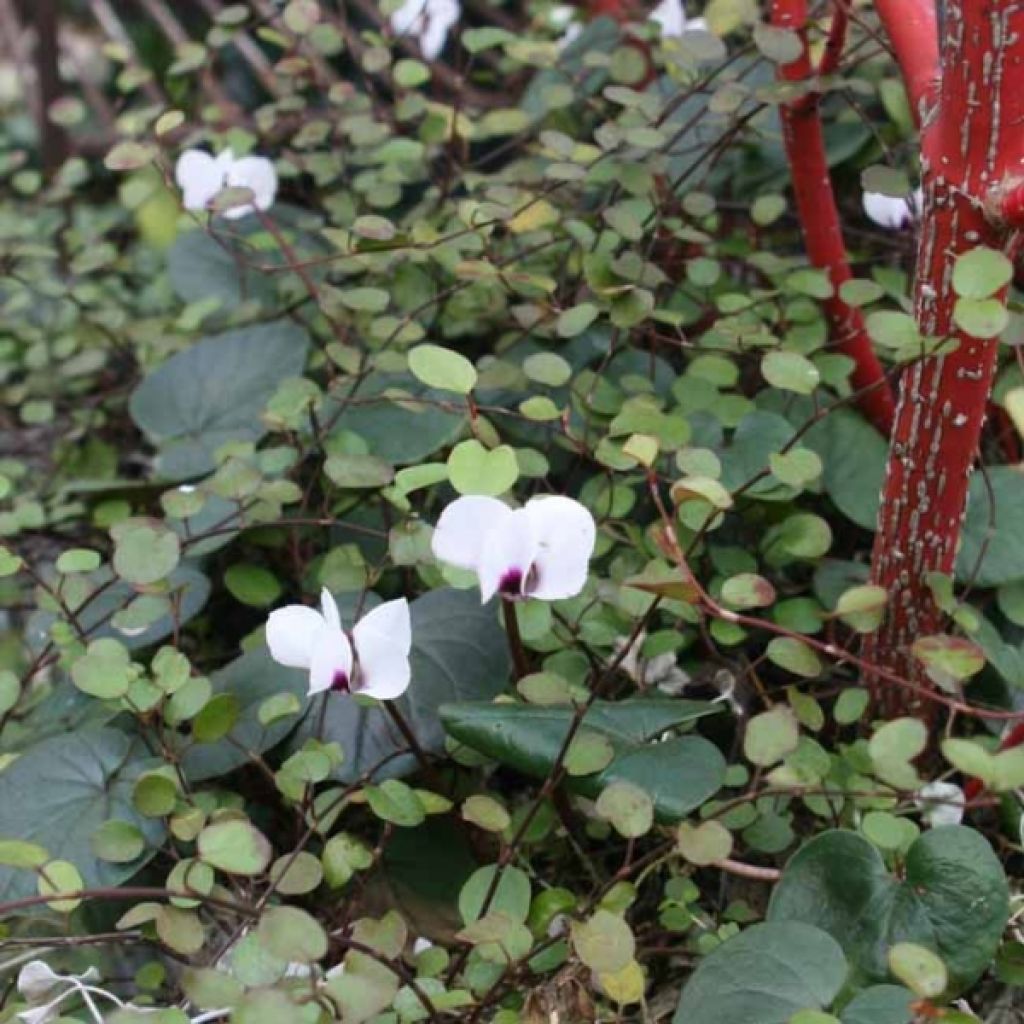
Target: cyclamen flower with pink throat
{"x":429,"y":21}
{"x":540,"y":550}
{"x":374,"y":663}
{"x":897,"y":213}
{"x":201,"y":177}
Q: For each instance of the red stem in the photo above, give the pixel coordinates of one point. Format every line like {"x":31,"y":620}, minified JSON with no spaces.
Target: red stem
{"x":970,"y":144}
{"x":836,"y":39}
{"x":913,"y":30}
{"x":819,"y":218}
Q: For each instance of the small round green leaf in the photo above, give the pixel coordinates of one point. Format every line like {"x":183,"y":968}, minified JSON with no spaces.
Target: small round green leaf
{"x":292,"y":935}
{"x":473,"y":469}
{"x":628,"y":808}
{"x":118,"y":841}
{"x":770,"y":736}
{"x":235,"y":847}
{"x":442,"y":368}
{"x":981,"y":272}
{"x":704,"y":844}
{"x":919,"y":969}
{"x":604,"y":942}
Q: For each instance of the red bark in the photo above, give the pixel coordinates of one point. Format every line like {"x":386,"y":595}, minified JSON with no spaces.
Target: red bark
{"x":971,"y":144}
{"x":618,"y":10}
{"x":913,"y":31}
{"x":819,"y":218}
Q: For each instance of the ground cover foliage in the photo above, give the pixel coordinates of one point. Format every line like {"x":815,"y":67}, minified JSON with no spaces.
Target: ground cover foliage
{"x":536,"y":267}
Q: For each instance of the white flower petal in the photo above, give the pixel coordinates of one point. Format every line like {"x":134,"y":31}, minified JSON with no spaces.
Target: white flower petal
{"x":41,"y":1014}
{"x":428,"y":20}
{"x":674,"y":682}
{"x":383,"y":639}
{"x":570,"y":35}
{"x":329,"y":609}
{"x":408,"y":16}
{"x":421,"y":945}
{"x":391,"y":620}
{"x":331,"y":664}
{"x":462,"y":530}
{"x":508,"y":557}
{"x":36,"y":980}
{"x":257,"y":174}
{"x":941,"y":803}
{"x":629,"y":662}
{"x":560,"y":16}
{"x":890,"y":212}
{"x":670,"y":16}
{"x":290,"y":634}
{"x":565,"y":534}
{"x":200,"y":177}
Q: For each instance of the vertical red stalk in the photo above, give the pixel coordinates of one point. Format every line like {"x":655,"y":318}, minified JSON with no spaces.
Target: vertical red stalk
{"x":972,"y":147}
{"x":914,"y":33}
{"x":812,"y":185}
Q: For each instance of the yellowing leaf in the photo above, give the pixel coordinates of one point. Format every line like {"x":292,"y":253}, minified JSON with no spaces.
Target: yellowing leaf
{"x":533,"y":217}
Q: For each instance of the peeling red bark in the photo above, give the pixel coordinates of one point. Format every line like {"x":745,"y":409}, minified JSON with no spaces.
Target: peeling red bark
{"x":819,"y":218}
{"x":971,"y":144}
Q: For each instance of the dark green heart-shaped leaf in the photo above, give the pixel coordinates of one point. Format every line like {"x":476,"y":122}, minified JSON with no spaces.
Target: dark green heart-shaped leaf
{"x":401,"y":430}
{"x":215,"y":392}
{"x":952,"y":898}
{"x":677,"y":774}
{"x":109,"y":613}
{"x":764,"y":975}
{"x":880,"y":1004}
{"x":250,"y":679}
{"x":59,"y":793}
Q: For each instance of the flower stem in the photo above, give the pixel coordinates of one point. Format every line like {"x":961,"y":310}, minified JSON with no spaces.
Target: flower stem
{"x":410,"y":738}
{"x":515,"y":640}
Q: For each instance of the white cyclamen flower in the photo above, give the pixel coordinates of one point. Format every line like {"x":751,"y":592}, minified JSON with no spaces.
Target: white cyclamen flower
{"x":541,"y":550}
{"x":671,"y":17}
{"x":429,"y":21}
{"x":201,"y":177}
{"x":375,"y":663}
{"x":897,"y":213}
{"x":941,"y":803}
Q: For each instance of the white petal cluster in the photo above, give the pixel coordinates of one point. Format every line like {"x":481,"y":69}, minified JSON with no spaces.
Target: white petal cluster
{"x":429,"y":21}
{"x":661,"y":671}
{"x":374,"y":662}
{"x":941,"y":803}
{"x":897,"y":213}
{"x":670,"y":15}
{"x":541,"y":550}
{"x":45,"y":990}
{"x":201,"y":177}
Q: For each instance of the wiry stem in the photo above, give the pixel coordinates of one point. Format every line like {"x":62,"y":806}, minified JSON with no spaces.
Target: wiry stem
{"x":515,"y":640}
